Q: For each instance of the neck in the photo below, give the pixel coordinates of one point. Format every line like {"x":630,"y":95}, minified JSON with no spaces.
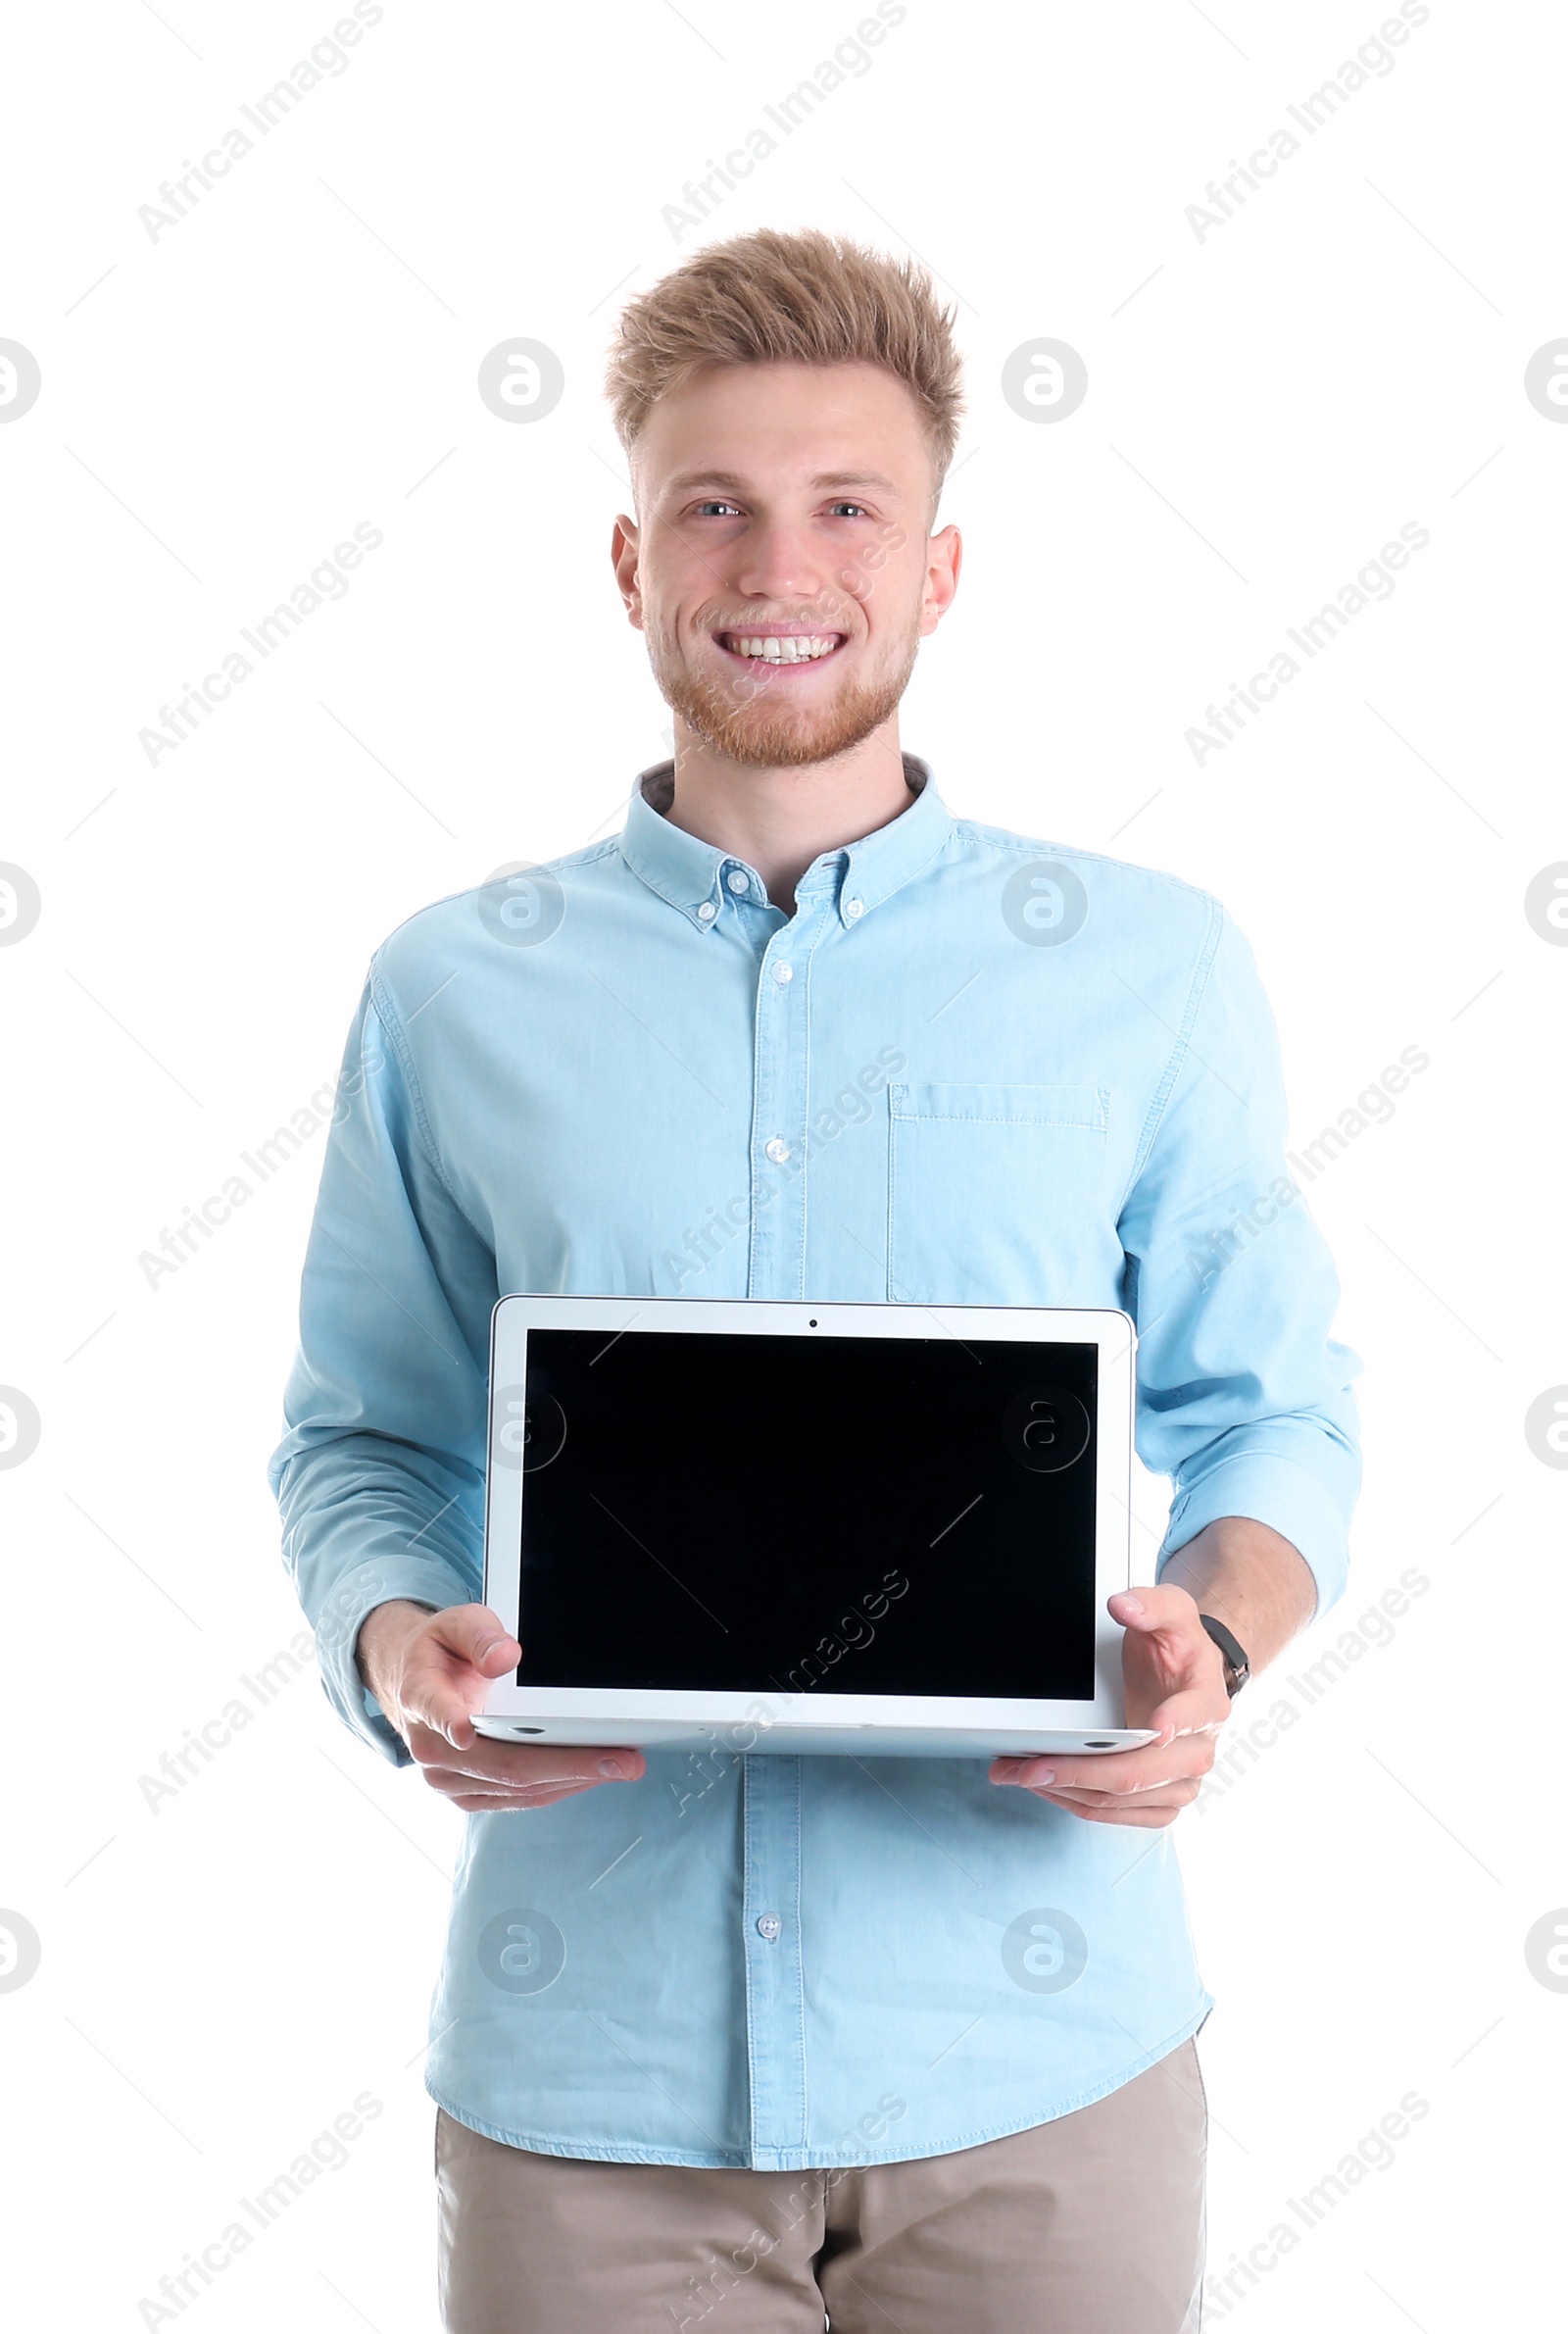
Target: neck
{"x":780,"y":820}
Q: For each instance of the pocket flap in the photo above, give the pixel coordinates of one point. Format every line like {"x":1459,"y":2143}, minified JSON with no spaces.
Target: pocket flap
{"x":1005,"y":1106}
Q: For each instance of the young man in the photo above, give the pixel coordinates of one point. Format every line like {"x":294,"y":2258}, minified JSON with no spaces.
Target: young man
{"x":759,"y":2038}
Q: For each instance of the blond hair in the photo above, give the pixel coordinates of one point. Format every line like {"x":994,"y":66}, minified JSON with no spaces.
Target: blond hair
{"x":806,"y":298}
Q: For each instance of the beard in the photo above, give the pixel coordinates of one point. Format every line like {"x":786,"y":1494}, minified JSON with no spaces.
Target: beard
{"x":735,"y":718}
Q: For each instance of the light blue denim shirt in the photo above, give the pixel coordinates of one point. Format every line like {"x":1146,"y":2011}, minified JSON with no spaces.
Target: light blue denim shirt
{"x":970,"y":1069}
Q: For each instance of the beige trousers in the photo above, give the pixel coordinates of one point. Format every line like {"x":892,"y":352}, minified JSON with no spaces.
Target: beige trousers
{"x":1091,"y":2225}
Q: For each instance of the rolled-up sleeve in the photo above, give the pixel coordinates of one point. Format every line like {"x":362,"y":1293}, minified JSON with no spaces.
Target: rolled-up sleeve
{"x":381,"y":1476}
{"x":1245,"y":1399}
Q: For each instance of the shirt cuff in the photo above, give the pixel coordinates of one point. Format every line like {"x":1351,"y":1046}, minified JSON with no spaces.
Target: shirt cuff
{"x":337,"y":1629}
{"x":1275,"y":1490}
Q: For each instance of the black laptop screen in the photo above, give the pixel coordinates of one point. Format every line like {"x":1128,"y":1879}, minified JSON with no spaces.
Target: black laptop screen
{"x":777,"y":1515}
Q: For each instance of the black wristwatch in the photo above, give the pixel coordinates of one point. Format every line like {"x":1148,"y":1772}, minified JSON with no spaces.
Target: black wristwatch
{"x":1238,"y":1669}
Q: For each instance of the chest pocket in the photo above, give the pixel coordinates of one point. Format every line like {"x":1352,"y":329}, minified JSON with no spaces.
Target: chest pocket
{"x":996,"y":1196}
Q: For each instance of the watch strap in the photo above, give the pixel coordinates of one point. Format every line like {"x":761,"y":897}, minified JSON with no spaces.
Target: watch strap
{"x":1238,"y":1669}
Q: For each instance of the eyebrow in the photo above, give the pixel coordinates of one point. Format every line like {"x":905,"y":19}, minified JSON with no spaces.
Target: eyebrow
{"x":732,"y":483}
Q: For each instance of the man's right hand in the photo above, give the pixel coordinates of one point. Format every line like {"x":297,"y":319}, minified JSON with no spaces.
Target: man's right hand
{"x":429,"y":1669}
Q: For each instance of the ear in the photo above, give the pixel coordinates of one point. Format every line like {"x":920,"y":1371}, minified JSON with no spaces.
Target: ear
{"x":944,"y":557}
{"x":624,"y":551}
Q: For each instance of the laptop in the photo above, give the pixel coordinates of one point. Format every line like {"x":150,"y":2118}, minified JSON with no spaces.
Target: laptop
{"x":878,"y":1530}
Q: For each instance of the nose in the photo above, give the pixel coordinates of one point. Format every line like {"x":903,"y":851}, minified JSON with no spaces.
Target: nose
{"x":779,"y":562}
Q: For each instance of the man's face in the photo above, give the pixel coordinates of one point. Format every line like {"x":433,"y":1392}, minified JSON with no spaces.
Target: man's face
{"x":781,"y":565}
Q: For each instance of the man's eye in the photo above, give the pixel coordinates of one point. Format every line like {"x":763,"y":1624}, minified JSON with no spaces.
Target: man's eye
{"x":848,"y":509}
{"x":705,"y":510}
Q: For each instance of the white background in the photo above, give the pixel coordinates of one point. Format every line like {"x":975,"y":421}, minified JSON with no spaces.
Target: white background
{"x":1266,"y":407}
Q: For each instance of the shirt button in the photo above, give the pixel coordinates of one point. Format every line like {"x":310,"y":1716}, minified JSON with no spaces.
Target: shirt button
{"x":783,"y":973}
{"x":706,"y":912}
{"x":738,"y":879}
{"x":769,"y":1925}
{"x":854,"y":907}
{"x":778,"y":1149}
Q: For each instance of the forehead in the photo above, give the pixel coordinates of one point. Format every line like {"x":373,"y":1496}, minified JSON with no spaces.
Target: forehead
{"x":785,"y":427}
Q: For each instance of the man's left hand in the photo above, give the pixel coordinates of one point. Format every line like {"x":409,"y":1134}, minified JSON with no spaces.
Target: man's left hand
{"x":1175,"y":1682}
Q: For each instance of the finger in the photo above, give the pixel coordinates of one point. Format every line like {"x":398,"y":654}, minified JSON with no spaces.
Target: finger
{"x":1179,"y":1791}
{"x":1189,"y":1751}
{"x":1131,"y":1819}
{"x":443,"y":1697}
{"x":511,"y":1766}
{"x":477,"y":1795}
{"x":1199,"y":1708}
{"x":1135,"y":1771}
{"x":489,"y":1804}
{"x":1192,"y":1713}
{"x":455,"y":1696}
{"x":433,"y":1746}
{"x":456,"y":1778}
{"x":496,"y":1765}
{"x":1195,"y":1714}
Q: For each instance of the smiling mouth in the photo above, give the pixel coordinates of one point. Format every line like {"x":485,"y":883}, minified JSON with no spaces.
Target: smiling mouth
{"x":780,"y":648}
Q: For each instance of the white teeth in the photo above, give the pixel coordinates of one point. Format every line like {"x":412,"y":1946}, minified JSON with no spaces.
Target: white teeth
{"x":786,"y":648}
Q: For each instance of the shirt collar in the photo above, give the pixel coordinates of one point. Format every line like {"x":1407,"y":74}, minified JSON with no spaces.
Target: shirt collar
{"x":691,"y":875}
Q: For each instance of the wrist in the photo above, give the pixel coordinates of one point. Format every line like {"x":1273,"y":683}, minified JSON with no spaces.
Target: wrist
{"x":1249,"y":1576}
{"x":1237,"y":1669}
{"x":383,"y":1633}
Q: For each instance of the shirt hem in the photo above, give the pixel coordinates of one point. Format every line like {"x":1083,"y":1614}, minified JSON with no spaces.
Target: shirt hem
{"x":810,"y":2160}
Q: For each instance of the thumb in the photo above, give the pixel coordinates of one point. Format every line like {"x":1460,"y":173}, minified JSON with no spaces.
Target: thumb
{"x":1129,"y":1608}
{"x":1148,"y":1610}
{"x":481,"y":1638}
